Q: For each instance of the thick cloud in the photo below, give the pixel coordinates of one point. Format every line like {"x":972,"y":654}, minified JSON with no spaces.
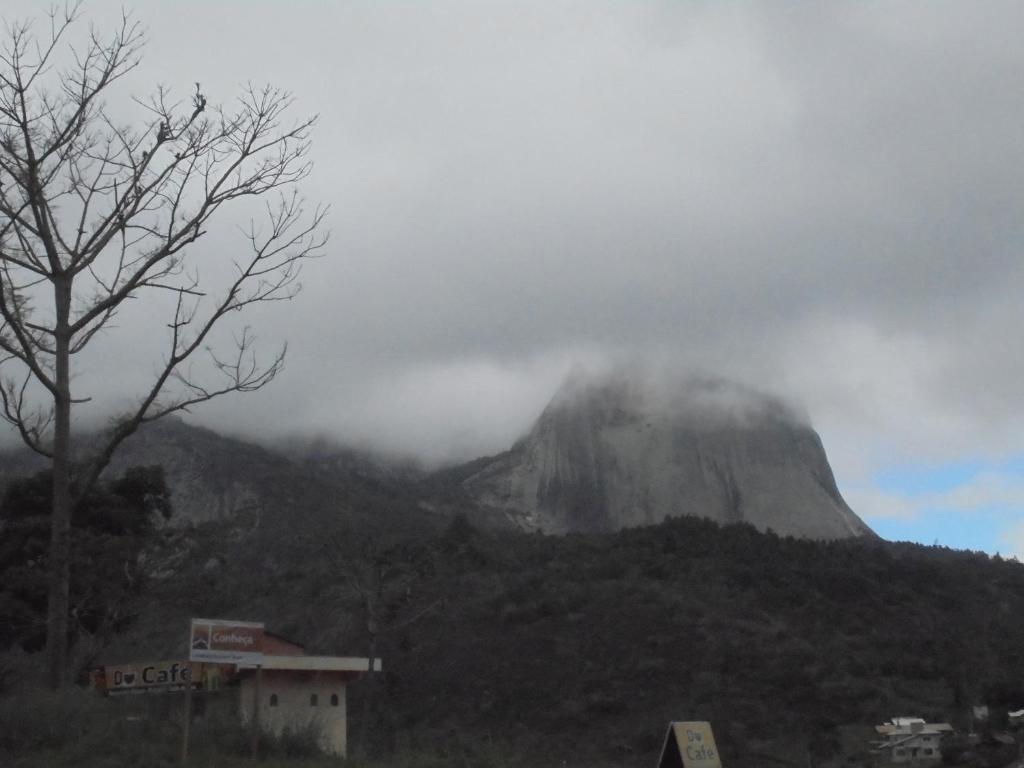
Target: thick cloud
{"x":820,"y":200}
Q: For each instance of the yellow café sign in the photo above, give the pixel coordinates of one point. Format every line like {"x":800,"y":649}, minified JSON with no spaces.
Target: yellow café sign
{"x":690,"y":745}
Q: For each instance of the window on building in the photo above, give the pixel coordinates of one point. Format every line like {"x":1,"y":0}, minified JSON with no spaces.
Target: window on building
{"x":273,"y":699}
{"x":334,"y":699}
{"x":928,"y":751}
{"x":313,"y":700}
{"x":899,"y":752}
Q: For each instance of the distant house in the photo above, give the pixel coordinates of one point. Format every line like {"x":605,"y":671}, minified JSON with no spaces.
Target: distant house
{"x":910,"y":740}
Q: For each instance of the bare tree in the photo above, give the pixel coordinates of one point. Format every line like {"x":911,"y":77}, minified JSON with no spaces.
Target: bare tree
{"x":95,"y":212}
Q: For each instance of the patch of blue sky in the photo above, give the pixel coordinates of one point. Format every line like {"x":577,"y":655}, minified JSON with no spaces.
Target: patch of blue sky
{"x":926,"y":479}
{"x":970,"y":504}
{"x":912,"y":480}
{"x":979,"y":531}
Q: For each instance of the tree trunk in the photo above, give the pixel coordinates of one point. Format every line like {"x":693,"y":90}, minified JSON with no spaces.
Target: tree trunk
{"x":59,"y":566}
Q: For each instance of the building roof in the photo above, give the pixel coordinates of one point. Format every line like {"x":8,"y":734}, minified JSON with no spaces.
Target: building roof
{"x":317,"y":663}
{"x":1002,"y":738}
{"x":915,"y":729}
{"x":890,"y":744}
{"x":280,"y":645}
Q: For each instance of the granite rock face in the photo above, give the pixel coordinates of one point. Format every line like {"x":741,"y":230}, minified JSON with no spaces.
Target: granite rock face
{"x":610,"y":453}
{"x":211,"y":477}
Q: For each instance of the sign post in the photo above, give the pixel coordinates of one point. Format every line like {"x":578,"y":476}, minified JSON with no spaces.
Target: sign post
{"x":255,"y":745}
{"x":186,"y":724}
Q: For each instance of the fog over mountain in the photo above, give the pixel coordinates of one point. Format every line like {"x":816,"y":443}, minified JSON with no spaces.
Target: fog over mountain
{"x":617,"y":450}
{"x":823,"y":202}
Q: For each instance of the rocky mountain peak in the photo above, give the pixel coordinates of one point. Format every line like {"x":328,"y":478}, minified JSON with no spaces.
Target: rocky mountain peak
{"x":619,"y":450}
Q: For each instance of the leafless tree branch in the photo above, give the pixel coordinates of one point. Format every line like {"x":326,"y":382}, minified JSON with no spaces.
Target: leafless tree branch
{"x":95,"y":212}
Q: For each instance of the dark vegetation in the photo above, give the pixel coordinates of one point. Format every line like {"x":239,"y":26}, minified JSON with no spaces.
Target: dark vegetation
{"x":582,"y":648}
{"x":519,"y":649}
{"x":73,"y":728}
{"x":110,"y":528}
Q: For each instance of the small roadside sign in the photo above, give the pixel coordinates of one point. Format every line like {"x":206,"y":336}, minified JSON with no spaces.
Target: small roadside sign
{"x":689,"y":745}
{"x":150,"y":677}
{"x":226,"y":642}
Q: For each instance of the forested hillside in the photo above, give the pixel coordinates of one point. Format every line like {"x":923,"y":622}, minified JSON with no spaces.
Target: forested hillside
{"x":581,"y":648}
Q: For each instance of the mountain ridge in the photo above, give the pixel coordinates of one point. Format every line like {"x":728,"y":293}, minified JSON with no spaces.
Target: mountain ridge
{"x":606,"y":453}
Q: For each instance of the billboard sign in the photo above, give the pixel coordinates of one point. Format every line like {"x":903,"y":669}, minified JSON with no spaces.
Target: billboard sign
{"x":226,"y":642}
{"x":150,"y":677}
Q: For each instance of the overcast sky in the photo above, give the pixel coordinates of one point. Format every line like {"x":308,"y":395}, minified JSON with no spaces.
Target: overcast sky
{"x":820,"y":200}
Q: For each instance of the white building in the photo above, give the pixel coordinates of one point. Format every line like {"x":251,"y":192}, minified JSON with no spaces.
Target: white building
{"x":910,"y":740}
{"x":294,"y":691}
